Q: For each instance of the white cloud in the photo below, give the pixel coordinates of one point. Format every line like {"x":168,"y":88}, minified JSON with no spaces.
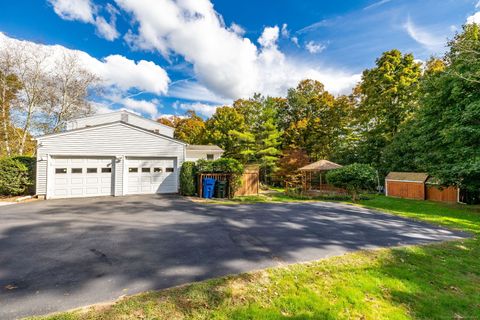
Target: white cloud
{"x":224,"y":62}
{"x":432,"y":42}
{"x":191,"y":90}
{"x":116,"y":71}
{"x":85,"y":11}
{"x":377,"y":4}
{"x":206,"y":110}
{"x":81,"y":10}
{"x":475,"y":18}
{"x":235,"y":28}
{"x":314,"y":47}
{"x":285,"y":32}
{"x":295,"y":41}
{"x":142,"y":106}
{"x":269,"y":37}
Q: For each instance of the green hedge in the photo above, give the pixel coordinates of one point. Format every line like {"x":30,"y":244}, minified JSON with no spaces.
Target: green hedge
{"x":354,"y":178}
{"x":188,"y":178}
{"x":17,"y":176}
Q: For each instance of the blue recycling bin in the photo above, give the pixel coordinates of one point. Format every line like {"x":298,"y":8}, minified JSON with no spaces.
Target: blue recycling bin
{"x":208,"y":187}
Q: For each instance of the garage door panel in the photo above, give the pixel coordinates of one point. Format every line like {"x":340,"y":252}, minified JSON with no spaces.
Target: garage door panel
{"x":150,"y":176}
{"x":81,"y":177}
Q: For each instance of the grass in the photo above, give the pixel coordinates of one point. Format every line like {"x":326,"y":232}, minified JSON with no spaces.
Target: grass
{"x":440,"y":281}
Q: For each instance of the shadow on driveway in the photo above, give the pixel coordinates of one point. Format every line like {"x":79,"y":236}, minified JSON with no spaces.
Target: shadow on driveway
{"x":60,"y":254}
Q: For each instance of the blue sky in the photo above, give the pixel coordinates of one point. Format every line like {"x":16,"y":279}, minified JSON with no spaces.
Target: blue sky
{"x":163,"y":57}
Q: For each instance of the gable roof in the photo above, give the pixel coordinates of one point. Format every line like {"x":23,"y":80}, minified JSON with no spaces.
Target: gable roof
{"x":407,"y":176}
{"x":203,"y":147}
{"x":120,"y":112}
{"x":321,"y":165}
{"x":110,"y":124}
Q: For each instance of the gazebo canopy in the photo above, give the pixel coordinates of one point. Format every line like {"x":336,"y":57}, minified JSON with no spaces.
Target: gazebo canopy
{"x":321,"y":165}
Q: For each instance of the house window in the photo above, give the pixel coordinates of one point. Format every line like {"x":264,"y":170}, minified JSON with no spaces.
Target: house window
{"x":91,"y":170}
{"x":169,"y":170}
{"x":209,"y":156}
{"x":146,"y":170}
{"x":106,"y":170}
{"x":77,"y":170}
{"x":157,"y":170}
{"x":61,"y":170}
{"x":132,"y":170}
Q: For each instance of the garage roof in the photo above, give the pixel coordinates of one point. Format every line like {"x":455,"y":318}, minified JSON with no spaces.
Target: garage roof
{"x":407,"y":176}
{"x":201,"y":147}
{"x":109,"y":124}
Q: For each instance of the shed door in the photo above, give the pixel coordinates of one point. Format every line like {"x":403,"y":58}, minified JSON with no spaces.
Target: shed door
{"x":82,"y":177}
{"x":151,"y":175}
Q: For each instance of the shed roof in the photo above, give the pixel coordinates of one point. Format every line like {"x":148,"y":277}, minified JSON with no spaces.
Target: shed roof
{"x":321,"y":165}
{"x":407,"y":176}
{"x":201,"y":147}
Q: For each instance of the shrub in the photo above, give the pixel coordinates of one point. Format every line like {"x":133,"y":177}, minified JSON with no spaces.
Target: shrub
{"x":30,"y":163}
{"x":354,"y":178}
{"x":14,"y":177}
{"x":188,"y":178}
{"x":224,"y":165}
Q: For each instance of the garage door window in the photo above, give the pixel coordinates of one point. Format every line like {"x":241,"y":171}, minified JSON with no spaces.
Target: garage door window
{"x":132,"y":169}
{"x":169,"y":170}
{"x":60,"y":170}
{"x":157,"y":170}
{"x":91,"y":170}
{"x":146,"y":170}
{"x":77,"y":170}
{"x":106,"y":170}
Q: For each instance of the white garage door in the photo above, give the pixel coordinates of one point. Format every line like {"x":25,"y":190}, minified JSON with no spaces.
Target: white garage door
{"x":82,"y":177}
{"x":151,"y":175}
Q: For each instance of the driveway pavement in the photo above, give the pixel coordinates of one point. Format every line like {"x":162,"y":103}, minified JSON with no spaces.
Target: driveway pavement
{"x":60,"y":254}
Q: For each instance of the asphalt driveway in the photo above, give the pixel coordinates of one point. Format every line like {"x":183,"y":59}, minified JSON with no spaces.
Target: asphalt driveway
{"x":60,"y":254}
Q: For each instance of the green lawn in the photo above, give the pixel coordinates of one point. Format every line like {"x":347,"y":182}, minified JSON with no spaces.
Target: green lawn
{"x":440,"y":281}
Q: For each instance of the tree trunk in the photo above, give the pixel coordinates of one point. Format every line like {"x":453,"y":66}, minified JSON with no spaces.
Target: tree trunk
{"x":5,"y":120}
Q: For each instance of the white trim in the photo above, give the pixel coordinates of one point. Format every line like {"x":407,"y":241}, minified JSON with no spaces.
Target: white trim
{"x":412,"y":181}
{"x":386,"y":187}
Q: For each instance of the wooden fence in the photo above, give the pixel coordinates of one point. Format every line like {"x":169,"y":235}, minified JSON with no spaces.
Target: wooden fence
{"x":250,"y":181}
{"x":446,"y":194}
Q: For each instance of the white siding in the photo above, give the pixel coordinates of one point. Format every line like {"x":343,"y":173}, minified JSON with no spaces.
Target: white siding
{"x":196,"y":155}
{"x":117,"y":140}
{"x":121,"y":116}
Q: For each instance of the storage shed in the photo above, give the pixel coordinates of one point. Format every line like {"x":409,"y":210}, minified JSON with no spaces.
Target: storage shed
{"x":419,"y":186}
{"x":409,"y":185}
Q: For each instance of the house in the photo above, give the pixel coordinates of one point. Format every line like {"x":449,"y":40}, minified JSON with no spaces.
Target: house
{"x":418,"y":186}
{"x":116,"y":154}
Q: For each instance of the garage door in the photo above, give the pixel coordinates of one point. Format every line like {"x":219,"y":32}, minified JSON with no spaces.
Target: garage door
{"x":82,"y":177}
{"x":151,"y":175}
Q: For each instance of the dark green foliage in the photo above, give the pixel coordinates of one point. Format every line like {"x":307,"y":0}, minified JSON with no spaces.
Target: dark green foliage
{"x":222,"y":165}
{"x":15,"y":176}
{"x":188,"y":178}
{"x":354,"y":178}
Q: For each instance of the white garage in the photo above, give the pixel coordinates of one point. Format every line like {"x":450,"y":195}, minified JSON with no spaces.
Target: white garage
{"x":118,"y":153}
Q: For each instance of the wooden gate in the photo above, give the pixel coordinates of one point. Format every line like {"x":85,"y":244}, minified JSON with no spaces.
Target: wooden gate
{"x":250,"y":182}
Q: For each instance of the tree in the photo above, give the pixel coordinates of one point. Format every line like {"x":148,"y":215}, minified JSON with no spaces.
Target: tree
{"x":312,"y":119}
{"x":187,"y":178}
{"x":288,"y":164}
{"x":9,"y":87}
{"x":14,"y":177}
{"x":190,"y":129}
{"x":387,"y":97}
{"x":227,"y":129}
{"x":447,"y":135}
{"x":68,"y":88}
{"x":262,"y":136}
{"x":167,"y":121}
{"x":354,"y":178}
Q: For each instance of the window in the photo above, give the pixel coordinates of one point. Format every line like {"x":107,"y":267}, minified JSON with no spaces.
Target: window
{"x":169,"y":170}
{"x":61,"y":170}
{"x":106,"y":170}
{"x":209,"y":156}
{"x":157,"y":170}
{"x":132,"y":170}
{"x":91,"y":170}
{"x":77,"y":170}
{"x":146,"y":170}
